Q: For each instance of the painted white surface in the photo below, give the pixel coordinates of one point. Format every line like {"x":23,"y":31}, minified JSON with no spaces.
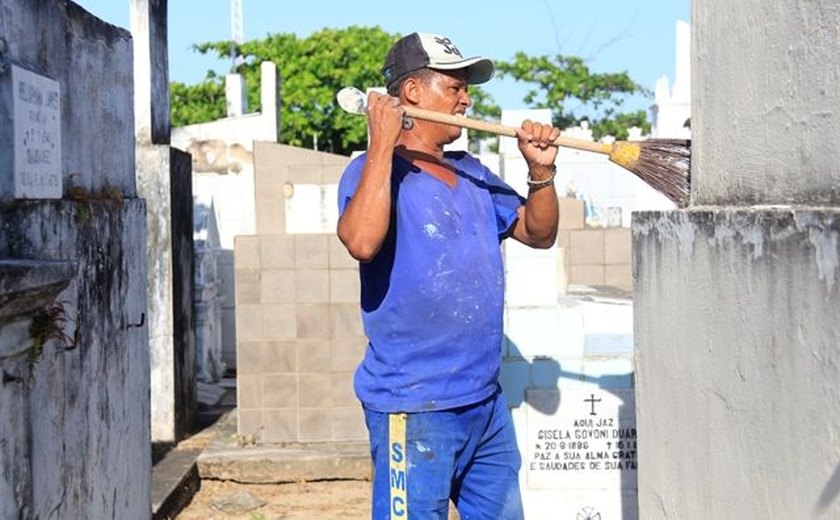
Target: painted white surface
{"x":232,"y":200}
{"x":223,"y":182}
{"x":311,"y":209}
{"x":227,"y":144}
{"x":153,"y":186}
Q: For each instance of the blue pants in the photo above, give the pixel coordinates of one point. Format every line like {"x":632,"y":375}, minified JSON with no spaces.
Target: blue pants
{"x":423,"y":459}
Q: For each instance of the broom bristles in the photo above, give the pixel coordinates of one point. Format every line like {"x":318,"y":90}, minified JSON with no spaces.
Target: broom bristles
{"x":665,"y":164}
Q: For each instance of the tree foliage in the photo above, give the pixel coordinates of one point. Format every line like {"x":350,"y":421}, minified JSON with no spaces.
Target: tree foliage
{"x":313,"y":69}
{"x":574,"y":93}
{"x":198,"y":103}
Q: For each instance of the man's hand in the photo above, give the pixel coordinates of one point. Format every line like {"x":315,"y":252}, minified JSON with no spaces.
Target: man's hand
{"x":385,"y":117}
{"x":535,"y":144}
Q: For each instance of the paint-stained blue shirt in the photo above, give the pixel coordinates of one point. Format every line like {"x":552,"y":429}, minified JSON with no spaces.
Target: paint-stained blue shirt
{"x":432,"y":299}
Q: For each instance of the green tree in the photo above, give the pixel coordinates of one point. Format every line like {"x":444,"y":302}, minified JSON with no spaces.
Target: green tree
{"x":311,"y":71}
{"x":198,"y":103}
{"x":574,"y":93}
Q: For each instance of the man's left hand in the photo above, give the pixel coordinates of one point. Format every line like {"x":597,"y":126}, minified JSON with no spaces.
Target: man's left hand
{"x":535,"y":144}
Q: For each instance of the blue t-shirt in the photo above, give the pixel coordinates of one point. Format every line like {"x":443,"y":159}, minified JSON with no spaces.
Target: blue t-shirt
{"x":432,"y":299}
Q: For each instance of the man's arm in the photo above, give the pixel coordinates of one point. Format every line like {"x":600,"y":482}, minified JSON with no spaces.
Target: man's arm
{"x":364,"y":223}
{"x":539,"y":217}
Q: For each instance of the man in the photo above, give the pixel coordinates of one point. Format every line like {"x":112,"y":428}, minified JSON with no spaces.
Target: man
{"x":426,"y":227}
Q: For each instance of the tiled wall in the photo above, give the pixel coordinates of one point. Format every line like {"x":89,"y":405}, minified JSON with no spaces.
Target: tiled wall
{"x":299,"y":331}
{"x":591,"y":256}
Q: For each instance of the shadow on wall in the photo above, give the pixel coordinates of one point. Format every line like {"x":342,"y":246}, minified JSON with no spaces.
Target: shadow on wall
{"x":545,"y":374}
{"x":829,"y":493}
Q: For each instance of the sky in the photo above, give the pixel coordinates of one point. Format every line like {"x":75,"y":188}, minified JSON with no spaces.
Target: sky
{"x":637,"y":36}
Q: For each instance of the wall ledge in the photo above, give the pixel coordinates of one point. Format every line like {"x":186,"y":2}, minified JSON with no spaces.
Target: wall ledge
{"x":27,"y":285}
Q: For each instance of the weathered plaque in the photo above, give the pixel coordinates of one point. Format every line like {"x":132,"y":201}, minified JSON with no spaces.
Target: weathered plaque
{"x":311,"y":208}
{"x":589,"y":442}
{"x":36,"y":118}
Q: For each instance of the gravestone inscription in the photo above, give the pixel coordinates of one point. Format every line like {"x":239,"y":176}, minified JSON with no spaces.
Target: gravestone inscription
{"x":589,"y":443}
{"x":36,"y":118}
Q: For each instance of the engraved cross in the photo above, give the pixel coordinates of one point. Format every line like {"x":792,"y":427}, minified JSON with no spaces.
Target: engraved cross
{"x":592,"y":402}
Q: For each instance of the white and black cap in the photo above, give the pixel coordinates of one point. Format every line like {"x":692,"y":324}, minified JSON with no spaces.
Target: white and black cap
{"x":433,"y":51}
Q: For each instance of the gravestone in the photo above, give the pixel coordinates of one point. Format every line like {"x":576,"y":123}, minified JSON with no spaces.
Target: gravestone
{"x":567,"y":375}
{"x":35,"y":161}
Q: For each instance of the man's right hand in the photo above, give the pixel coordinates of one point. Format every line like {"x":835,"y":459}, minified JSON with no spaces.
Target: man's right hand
{"x":385,"y":116}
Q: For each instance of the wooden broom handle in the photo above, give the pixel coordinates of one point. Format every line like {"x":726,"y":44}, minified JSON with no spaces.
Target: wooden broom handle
{"x":495,"y":128}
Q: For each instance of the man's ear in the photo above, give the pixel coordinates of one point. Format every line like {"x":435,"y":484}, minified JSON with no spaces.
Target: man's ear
{"x":412,"y":90}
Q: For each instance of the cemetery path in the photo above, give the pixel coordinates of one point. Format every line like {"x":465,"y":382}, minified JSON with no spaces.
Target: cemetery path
{"x":323,"y":500}
{"x":229,"y":500}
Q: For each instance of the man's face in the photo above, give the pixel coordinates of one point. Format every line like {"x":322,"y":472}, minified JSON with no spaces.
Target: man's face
{"x":447,"y":92}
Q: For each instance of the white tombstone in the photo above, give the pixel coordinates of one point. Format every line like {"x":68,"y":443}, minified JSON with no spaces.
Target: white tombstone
{"x":36,"y":129}
{"x":567,"y":368}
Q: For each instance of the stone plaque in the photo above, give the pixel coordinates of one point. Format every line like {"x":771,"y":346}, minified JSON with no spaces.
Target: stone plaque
{"x":311,"y":208}
{"x":36,"y":117}
{"x":589,"y":442}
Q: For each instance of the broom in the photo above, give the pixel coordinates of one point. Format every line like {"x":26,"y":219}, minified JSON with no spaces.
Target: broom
{"x":664,"y":164}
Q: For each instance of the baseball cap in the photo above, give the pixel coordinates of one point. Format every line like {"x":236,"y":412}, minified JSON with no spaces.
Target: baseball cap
{"x":419,"y":50}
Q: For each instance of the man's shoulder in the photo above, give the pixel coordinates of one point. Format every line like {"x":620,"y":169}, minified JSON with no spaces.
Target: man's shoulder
{"x":464,"y":160}
{"x":459,"y":155}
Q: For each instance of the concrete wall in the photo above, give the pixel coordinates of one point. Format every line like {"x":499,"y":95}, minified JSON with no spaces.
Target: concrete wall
{"x":183,"y":289}
{"x":299,"y":334}
{"x":737,"y":363}
{"x":164,"y":179}
{"x":766,"y":106}
{"x":75,"y":429}
{"x":737,"y":297}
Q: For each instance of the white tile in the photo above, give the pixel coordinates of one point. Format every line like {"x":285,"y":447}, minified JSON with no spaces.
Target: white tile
{"x":608,"y":318}
{"x":531,"y":281}
{"x":533,"y":331}
{"x":570,"y":332}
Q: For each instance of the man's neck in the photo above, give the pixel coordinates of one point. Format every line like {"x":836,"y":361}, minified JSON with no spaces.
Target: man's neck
{"x":432,"y":163}
{"x":413,"y":145}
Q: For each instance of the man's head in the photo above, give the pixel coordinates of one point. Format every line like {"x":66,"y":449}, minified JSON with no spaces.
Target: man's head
{"x":415,"y":53}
